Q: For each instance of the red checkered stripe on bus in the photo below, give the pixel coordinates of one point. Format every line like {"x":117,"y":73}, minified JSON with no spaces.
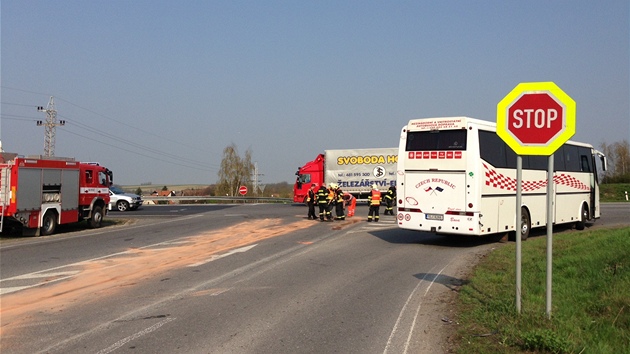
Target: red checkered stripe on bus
{"x":498,"y":180}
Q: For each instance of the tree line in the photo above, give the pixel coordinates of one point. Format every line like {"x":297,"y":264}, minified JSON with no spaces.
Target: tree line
{"x":236,"y":171}
{"x":618,"y":156}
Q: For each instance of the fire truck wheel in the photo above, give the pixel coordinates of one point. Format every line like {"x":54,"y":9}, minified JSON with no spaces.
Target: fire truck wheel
{"x":49,"y":223}
{"x":97,"y":217}
{"x":526,"y":224}
{"x":122,"y":205}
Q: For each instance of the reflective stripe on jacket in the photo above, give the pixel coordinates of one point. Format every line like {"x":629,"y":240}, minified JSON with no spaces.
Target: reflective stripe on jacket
{"x":375,"y":198}
{"x":339,"y":196}
{"x":322,"y":195}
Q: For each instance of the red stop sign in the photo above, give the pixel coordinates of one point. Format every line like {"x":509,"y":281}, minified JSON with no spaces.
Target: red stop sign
{"x":242,"y":190}
{"x":535,"y":118}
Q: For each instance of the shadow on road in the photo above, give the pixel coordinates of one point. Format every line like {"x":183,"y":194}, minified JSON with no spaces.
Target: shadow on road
{"x":446,"y":280}
{"x":429,"y":238}
{"x":395,"y":235}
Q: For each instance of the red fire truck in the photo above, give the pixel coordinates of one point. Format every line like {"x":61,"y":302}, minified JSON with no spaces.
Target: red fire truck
{"x":38,"y":193}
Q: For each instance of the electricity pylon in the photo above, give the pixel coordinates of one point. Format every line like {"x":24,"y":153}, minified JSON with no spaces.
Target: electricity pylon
{"x":50,"y":124}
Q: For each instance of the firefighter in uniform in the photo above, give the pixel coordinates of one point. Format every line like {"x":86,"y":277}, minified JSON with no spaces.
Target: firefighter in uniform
{"x":332,"y":201}
{"x":311,"y":199}
{"x":322,"y":201}
{"x":339,"y":202}
{"x":374,"y":200}
{"x":390,"y":199}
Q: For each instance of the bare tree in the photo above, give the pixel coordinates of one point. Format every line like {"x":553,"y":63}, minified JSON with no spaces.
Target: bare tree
{"x":622,"y":162}
{"x":610,"y":156}
{"x":235,"y":171}
{"x":618,"y":155}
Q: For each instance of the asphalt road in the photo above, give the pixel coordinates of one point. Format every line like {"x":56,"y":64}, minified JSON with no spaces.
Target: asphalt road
{"x":245,"y":279}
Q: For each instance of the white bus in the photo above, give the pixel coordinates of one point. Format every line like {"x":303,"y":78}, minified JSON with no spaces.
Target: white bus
{"x":457,"y":176}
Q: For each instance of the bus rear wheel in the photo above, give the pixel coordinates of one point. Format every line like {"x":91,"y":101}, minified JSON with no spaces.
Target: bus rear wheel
{"x":526,"y":224}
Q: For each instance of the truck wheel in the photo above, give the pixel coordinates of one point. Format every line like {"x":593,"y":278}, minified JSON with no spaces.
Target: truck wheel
{"x":49,"y":223}
{"x":526,"y":224}
{"x":97,"y":218}
{"x":122,"y":205}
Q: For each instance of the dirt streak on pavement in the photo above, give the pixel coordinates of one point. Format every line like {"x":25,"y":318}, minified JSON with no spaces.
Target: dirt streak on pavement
{"x":104,"y":277}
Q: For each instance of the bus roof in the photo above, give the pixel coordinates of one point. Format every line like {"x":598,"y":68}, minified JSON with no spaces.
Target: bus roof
{"x":461,"y":122}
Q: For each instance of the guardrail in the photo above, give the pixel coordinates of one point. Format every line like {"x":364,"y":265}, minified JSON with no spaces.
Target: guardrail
{"x":213,"y":199}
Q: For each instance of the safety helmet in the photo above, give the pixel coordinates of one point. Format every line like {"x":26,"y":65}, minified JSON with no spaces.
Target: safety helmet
{"x":374,"y":186}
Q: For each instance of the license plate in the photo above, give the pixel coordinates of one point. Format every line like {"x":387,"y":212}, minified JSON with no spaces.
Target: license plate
{"x":438,"y":217}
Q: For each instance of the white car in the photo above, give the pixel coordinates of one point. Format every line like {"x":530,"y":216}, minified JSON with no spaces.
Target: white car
{"x":122,"y":201}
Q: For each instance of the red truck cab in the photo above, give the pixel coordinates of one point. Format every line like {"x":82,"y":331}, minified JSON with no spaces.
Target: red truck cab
{"x":311,"y":172}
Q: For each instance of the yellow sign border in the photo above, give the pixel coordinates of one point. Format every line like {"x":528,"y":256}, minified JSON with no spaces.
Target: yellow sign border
{"x":536,"y":87}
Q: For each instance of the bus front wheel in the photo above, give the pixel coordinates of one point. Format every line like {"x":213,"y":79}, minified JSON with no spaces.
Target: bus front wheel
{"x":581,"y":224}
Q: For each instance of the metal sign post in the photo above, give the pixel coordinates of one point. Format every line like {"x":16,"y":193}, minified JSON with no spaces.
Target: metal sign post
{"x":535,"y":118}
{"x":519,"y":183}
{"x":549,"y":233}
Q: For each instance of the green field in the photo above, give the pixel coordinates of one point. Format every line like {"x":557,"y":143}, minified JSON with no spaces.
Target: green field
{"x":614,"y":192}
{"x":590,"y":302}
{"x":148,"y":189}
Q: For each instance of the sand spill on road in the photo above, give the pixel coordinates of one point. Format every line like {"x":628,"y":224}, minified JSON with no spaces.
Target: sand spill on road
{"x":107,"y":276}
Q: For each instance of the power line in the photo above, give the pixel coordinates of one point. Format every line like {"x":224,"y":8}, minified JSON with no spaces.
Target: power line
{"x":127,"y":125}
{"x":137,"y":153}
{"x":138,"y":146}
{"x":96,"y":113}
{"x":50,"y":135}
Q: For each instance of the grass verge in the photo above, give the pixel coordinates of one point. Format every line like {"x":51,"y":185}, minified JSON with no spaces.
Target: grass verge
{"x":613,"y":192}
{"x":590,"y":297}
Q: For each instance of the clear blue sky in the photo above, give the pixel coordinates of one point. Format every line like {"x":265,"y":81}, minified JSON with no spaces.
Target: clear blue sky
{"x":156,"y":89}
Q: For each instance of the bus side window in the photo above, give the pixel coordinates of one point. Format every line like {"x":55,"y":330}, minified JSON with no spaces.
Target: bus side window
{"x":586,"y":162}
{"x":571,"y":159}
{"x":88,"y":176}
{"x":558,"y":159}
{"x":586,"y":167}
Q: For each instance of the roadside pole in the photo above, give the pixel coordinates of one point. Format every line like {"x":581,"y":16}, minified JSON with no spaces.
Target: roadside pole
{"x":519,"y":216}
{"x":535,"y":118}
{"x":549,"y":233}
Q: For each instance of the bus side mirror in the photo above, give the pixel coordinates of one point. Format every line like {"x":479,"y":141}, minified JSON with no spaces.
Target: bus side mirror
{"x":603,"y":159}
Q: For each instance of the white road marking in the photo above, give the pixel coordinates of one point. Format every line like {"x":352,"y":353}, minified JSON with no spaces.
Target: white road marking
{"x":42,"y":275}
{"x":219,"y":256}
{"x":64,"y":275}
{"x":56,"y":275}
{"x":123,"y":341}
{"x":4,"y":291}
{"x":404,"y":310}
